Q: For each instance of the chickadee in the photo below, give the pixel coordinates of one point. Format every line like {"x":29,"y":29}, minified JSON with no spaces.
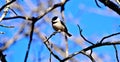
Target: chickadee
{"x":59,"y":26}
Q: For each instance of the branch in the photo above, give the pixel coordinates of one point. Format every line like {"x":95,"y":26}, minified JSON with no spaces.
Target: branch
{"x":108,"y":36}
{"x":116,"y":53}
{"x":111,"y":5}
{"x":7,"y":4}
{"x":6,"y":26}
{"x":13,"y":11}
{"x":66,"y":49}
{"x":51,"y":36}
{"x":45,"y":42}
{"x":80,"y":30}
{"x":57,"y":57}
{"x":51,"y":8}
{"x":91,"y":51}
{"x":30,"y":41}
{"x":51,"y":46}
{"x":89,"y":56}
{"x":5,"y":11}
{"x":15,"y":17}
{"x":63,"y":8}
{"x":92,"y":47}
{"x":2,"y":57}
{"x":97,"y":4}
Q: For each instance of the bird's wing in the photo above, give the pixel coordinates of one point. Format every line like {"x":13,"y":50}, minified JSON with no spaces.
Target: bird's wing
{"x":64,"y":26}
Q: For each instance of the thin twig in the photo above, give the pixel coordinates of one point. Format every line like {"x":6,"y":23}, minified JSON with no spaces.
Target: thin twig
{"x":97,"y":4}
{"x":109,"y":36}
{"x":66,"y":49}
{"x":63,"y":8}
{"x":45,"y":42}
{"x":51,"y":46}
{"x":80,"y":30}
{"x":91,"y":51}
{"x":57,"y":57}
{"x":51,"y":35}
{"x":6,"y":26}
{"x":13,"y":11}
{"x":116,"y":53}
{"x":89,"y":56}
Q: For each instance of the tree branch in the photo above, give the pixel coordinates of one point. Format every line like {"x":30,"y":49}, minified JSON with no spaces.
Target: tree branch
{"x":7,"y":4}
{"x":111,"y":5}
{"x":116,"y":53}
{"x":51,"y":8}
{"x":2,"y":57}
{"x":80,"y":30}
{"x":92,"y":47}
{"x":15,"y":17}
{"x":5,"y":11}
{"x":30,"y":41}
{"x":57,"y":57}
{"x":108,"y":36}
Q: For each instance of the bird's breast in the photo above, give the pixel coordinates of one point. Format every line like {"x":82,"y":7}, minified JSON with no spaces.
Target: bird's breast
{"x":58,"y":26}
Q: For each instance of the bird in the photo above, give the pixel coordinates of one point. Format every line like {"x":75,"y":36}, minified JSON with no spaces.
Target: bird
{"x":59,"y":26}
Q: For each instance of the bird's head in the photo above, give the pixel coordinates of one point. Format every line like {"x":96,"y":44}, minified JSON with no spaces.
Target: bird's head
{"x":55,"y":19}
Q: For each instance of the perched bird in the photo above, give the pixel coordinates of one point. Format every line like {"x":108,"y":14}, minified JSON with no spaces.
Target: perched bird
{"x":59,"y":26}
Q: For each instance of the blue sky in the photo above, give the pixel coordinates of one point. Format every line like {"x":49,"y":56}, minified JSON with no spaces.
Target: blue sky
{"x":95,"y":22}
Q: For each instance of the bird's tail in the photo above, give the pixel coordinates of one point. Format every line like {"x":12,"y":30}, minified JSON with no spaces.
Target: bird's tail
{"x":69,"y":34}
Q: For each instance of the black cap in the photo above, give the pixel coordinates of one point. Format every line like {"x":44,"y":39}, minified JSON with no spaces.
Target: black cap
{"x":55,"y":17}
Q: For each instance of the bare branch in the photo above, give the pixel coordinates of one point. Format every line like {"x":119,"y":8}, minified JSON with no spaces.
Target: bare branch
{"x":116,"y":53}
{"x":51,"y":46}
{"x":44,"y":38}
{"x":97,"y":4}
{"x":15,"y":17}
{"x":7,"y":4}
{"x":13,"y":11}
{"x":57,"y":57}
{"x":92,"y":47}
{"x":83,"y":36}
{"x":108,"y":36}
{"x":30,"y":41}
{"x":6,"y":26}
{"x":66,"y":49}
{"x":51,"y":36}
{"x":5,"y":11}
{"x":63,"y":8}
{"x":89,"y":56}
{"x":91,"y":51}
{"x":51,"y":8}
{"x":2,"y":57}
{"x":111,"y":5}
